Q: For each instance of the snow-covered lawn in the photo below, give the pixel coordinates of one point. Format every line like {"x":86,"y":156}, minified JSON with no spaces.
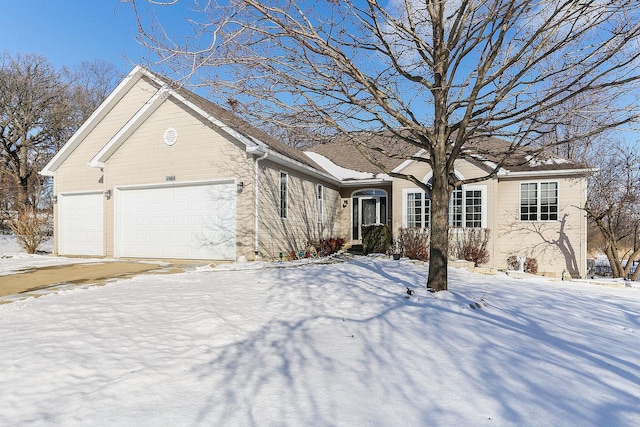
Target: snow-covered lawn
{"x":322,"y":345}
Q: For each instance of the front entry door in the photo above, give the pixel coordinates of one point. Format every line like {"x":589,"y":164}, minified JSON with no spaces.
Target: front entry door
{"x":369,"y":207}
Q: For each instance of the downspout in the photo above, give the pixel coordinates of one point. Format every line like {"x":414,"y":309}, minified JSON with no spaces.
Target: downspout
{"x":256,"y":249}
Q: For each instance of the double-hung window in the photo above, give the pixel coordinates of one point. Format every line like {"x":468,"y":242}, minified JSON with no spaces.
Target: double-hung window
{"x":539,"y":201}
{"x":284,"y":195}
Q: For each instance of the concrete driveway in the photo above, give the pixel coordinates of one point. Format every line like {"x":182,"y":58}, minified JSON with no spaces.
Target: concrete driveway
{"x":49,"y":278}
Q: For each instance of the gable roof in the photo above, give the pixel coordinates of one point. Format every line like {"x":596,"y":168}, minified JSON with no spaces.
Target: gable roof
{"x":254,"y":134}
{"x":255,"y":140}
{"x":340,"y":160}
{"x":486,"y":154}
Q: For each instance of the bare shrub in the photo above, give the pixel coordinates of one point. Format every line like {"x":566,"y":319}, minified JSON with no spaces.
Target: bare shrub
{"x":413,"y":243}
{"x":470,"y":244}
{"x":531,"y":265}
{"x":330,"y":245}
{"x":31,"y":228}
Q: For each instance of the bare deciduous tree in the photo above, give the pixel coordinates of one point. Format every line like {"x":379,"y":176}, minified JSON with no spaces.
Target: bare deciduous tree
{"x":34,"y":108}
{"x":614,"y":206}
{"x":438,"y":75}
{"x":40,"y":108}
{"x":91,"y":82}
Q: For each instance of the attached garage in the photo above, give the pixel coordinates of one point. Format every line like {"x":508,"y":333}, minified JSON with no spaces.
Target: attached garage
{"x":81,"y":224}
{"x":195,"y":221}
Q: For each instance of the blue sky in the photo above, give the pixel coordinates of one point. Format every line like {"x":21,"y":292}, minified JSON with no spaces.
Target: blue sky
{"x":68,"y":32}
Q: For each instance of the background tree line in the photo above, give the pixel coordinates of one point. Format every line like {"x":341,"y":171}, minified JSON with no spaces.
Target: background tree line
{"x":40,"y":108}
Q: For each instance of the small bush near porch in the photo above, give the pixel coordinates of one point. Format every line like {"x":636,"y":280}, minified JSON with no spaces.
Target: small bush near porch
{"x":469,"y":244}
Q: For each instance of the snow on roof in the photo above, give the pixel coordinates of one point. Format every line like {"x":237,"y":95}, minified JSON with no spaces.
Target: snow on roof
{"x":535,"y":162}
{"x":340,"y":172}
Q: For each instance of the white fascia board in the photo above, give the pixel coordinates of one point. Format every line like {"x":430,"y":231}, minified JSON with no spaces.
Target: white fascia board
{"x":385,"y":179}
{"x":127,"y":130}
{"x":114,"y":97}
{"x":545,"y":173}
{"x":293,"y":164}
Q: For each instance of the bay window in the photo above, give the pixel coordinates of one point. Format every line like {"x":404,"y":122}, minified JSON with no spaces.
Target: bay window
{"x":467,"y":208}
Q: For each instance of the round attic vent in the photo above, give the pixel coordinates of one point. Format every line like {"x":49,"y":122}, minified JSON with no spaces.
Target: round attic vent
{"x":170,"y":136}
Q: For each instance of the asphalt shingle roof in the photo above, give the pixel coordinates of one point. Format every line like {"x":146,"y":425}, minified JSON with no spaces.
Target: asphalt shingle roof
{"x":346,"y":153}
{"x":485,"y":154}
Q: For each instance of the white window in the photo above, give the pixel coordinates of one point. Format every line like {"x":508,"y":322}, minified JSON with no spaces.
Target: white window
{"x":284,"y":194}
{"x":456,"y":208}
{"x":539,"y":201}
{"x":467,"y":208}
{"x":320,"y":203}
{"x":473,"y":208}
{"x":415,"y":210}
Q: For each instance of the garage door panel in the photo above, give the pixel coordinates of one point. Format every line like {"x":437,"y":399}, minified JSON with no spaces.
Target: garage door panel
{"x":81,"y":225}
{"x":177,"y":222}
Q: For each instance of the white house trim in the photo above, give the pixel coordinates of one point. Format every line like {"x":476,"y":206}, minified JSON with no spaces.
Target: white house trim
{"x":293,"y":164}
{"x":107,"y":105}
{"x":127,"y":130}
{"x":545,"y":173}
{"x":365,"y":182}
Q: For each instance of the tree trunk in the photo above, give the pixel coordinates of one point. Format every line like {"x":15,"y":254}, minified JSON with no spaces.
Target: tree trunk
{"x":438,"y":279}
{"x":612,"y":254}
{"x":23,"y":180}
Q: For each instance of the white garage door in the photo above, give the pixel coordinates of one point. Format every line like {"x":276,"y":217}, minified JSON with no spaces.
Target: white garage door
{"x":188,"y":222}
{"x":80,"y":224}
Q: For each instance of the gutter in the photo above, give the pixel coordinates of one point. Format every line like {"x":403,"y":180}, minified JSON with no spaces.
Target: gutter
{"x":369,"y":181}
{"x":256,"y":186}
{"x":543,"y":173}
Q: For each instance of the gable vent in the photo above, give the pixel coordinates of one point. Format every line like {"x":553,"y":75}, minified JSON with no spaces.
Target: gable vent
{"x":170,"y":136}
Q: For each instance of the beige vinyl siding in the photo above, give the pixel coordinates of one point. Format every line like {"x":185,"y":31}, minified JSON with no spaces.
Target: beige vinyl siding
{"x":556,"y":245}
{"x":301,"y":226}
{"x":74,"y":174}
{"x":201,"y":154}
{"x":344,"y":212}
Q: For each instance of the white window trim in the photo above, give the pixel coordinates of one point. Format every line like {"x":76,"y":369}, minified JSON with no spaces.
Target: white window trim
{"x":538,"y":198}
{"x":405,"y":207}
{"x":484,"y":206}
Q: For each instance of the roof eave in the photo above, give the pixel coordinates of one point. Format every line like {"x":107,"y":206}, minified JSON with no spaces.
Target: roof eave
{"x":293,"y":164}
{"x":546,"y":172}
{"x":368,"y":181}
{"x":127,"y":83}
